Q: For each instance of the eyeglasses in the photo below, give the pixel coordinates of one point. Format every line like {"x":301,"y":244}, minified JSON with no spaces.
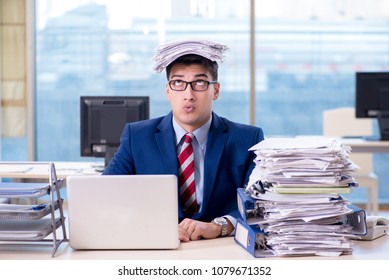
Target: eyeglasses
{"x":198,"y":85}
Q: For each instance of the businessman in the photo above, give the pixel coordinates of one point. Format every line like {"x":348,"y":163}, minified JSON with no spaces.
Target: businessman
{"x":208,"y":153}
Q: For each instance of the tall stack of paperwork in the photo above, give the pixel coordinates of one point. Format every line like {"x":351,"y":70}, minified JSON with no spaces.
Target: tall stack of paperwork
{"x":292,"y":205}
{"x":167,"y":53}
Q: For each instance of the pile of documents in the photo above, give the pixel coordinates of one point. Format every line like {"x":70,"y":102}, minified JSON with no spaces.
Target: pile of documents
{"x":292,"y":203}
{"x":303,"y":165}
{"x":167,"y":53}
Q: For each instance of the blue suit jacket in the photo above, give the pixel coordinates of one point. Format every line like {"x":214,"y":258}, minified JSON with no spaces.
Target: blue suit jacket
{"x":149,"y":147}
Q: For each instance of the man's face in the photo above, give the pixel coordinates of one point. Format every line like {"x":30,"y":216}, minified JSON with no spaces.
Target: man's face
{"x":191,"y":109}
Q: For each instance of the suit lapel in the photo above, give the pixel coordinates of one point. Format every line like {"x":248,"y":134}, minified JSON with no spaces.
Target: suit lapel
{"x":217,"y":139}
{"x":165,"y":139}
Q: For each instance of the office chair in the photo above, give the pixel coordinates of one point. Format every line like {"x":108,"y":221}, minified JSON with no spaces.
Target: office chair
{"x":342,"y":122}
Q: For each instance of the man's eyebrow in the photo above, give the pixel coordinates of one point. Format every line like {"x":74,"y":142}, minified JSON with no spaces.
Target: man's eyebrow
{"x":176,"y":76}
{"x":197,"y":76}
{"x":201,"y":75}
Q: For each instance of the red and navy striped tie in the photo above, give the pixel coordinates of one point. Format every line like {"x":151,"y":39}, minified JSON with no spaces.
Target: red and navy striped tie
{"x":186,"y":176}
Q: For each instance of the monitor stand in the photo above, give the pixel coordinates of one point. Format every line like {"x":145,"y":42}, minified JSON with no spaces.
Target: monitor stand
{"x":383,"y":124}
{"x":372,"y":138}
{"x":109,"y":153}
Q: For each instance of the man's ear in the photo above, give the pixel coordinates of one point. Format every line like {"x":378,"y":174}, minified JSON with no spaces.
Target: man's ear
{"x":216,"y":91}
{"x":167,"y":92}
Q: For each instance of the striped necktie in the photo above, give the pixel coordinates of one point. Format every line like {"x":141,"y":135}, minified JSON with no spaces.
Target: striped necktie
{"x":186,"y":176}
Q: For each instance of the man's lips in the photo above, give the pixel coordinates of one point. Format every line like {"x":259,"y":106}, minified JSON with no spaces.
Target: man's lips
{"x":188,"y":108}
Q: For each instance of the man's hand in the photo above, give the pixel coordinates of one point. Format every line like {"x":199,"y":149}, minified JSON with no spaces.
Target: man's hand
{"x":190,"y":229}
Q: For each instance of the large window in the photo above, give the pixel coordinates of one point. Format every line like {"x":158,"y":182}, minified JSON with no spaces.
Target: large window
{"x":306,"y":56}
{"x":307,"y":53}
{"x":106,"y":48}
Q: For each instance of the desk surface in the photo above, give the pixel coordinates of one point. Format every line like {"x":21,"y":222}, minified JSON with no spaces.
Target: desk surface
{"x":220,"y":248}
{"x":217,"y":249}
{"x":359,"y":145}
{"x":30,"y":170}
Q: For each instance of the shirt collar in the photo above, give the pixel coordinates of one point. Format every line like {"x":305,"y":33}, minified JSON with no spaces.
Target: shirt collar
{"x":201,"y":133}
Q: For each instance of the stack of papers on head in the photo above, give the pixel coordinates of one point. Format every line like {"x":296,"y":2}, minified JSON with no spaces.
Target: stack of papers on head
{"x":169,"y":52}
{"x":295,"y":186}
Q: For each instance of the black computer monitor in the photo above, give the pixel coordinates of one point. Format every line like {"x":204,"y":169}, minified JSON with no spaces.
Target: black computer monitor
{"x":103,"y":119}
{"x":372,"y":99}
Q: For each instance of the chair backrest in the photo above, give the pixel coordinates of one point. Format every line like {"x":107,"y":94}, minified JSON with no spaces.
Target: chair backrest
{"x":340,"y":122}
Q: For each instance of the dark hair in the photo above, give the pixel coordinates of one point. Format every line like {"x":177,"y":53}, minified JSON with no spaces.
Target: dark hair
{"x":190,"y":59}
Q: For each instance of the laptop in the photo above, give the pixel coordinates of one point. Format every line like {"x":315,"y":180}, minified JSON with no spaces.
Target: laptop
{"x":123,"y":212}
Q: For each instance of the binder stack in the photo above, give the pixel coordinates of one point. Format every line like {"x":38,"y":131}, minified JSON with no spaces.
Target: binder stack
{"x":292,"y":205}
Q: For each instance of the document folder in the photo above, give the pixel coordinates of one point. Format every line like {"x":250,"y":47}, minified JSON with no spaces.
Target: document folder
{"x":251,"y":214}
{"x":252,"y":239}
{"x":246,"y":207}
{"x":357,"y":219}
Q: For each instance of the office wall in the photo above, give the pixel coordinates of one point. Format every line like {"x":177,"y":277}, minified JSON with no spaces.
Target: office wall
{"x":13,"y":68}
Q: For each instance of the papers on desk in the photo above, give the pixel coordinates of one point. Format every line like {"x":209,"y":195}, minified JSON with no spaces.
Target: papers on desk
{"x":26,"y":212}
{"x":13,"y":190}
{"x":26,"y":230}
{"x":292,"y":202}
{"x":17,"y":190}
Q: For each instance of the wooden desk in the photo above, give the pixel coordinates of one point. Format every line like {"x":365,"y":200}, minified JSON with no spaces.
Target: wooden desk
{"x":359,"y":145}
{"x":216,"y":249}
{"x":39,"y":170}
{"x":213,"y":249}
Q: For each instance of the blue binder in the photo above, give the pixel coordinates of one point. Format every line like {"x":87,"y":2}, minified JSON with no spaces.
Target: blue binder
{"x":252,"y":239}
{"x":247,"y":208}
{"x":249,"y":235}
{"x":251,"y":215}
